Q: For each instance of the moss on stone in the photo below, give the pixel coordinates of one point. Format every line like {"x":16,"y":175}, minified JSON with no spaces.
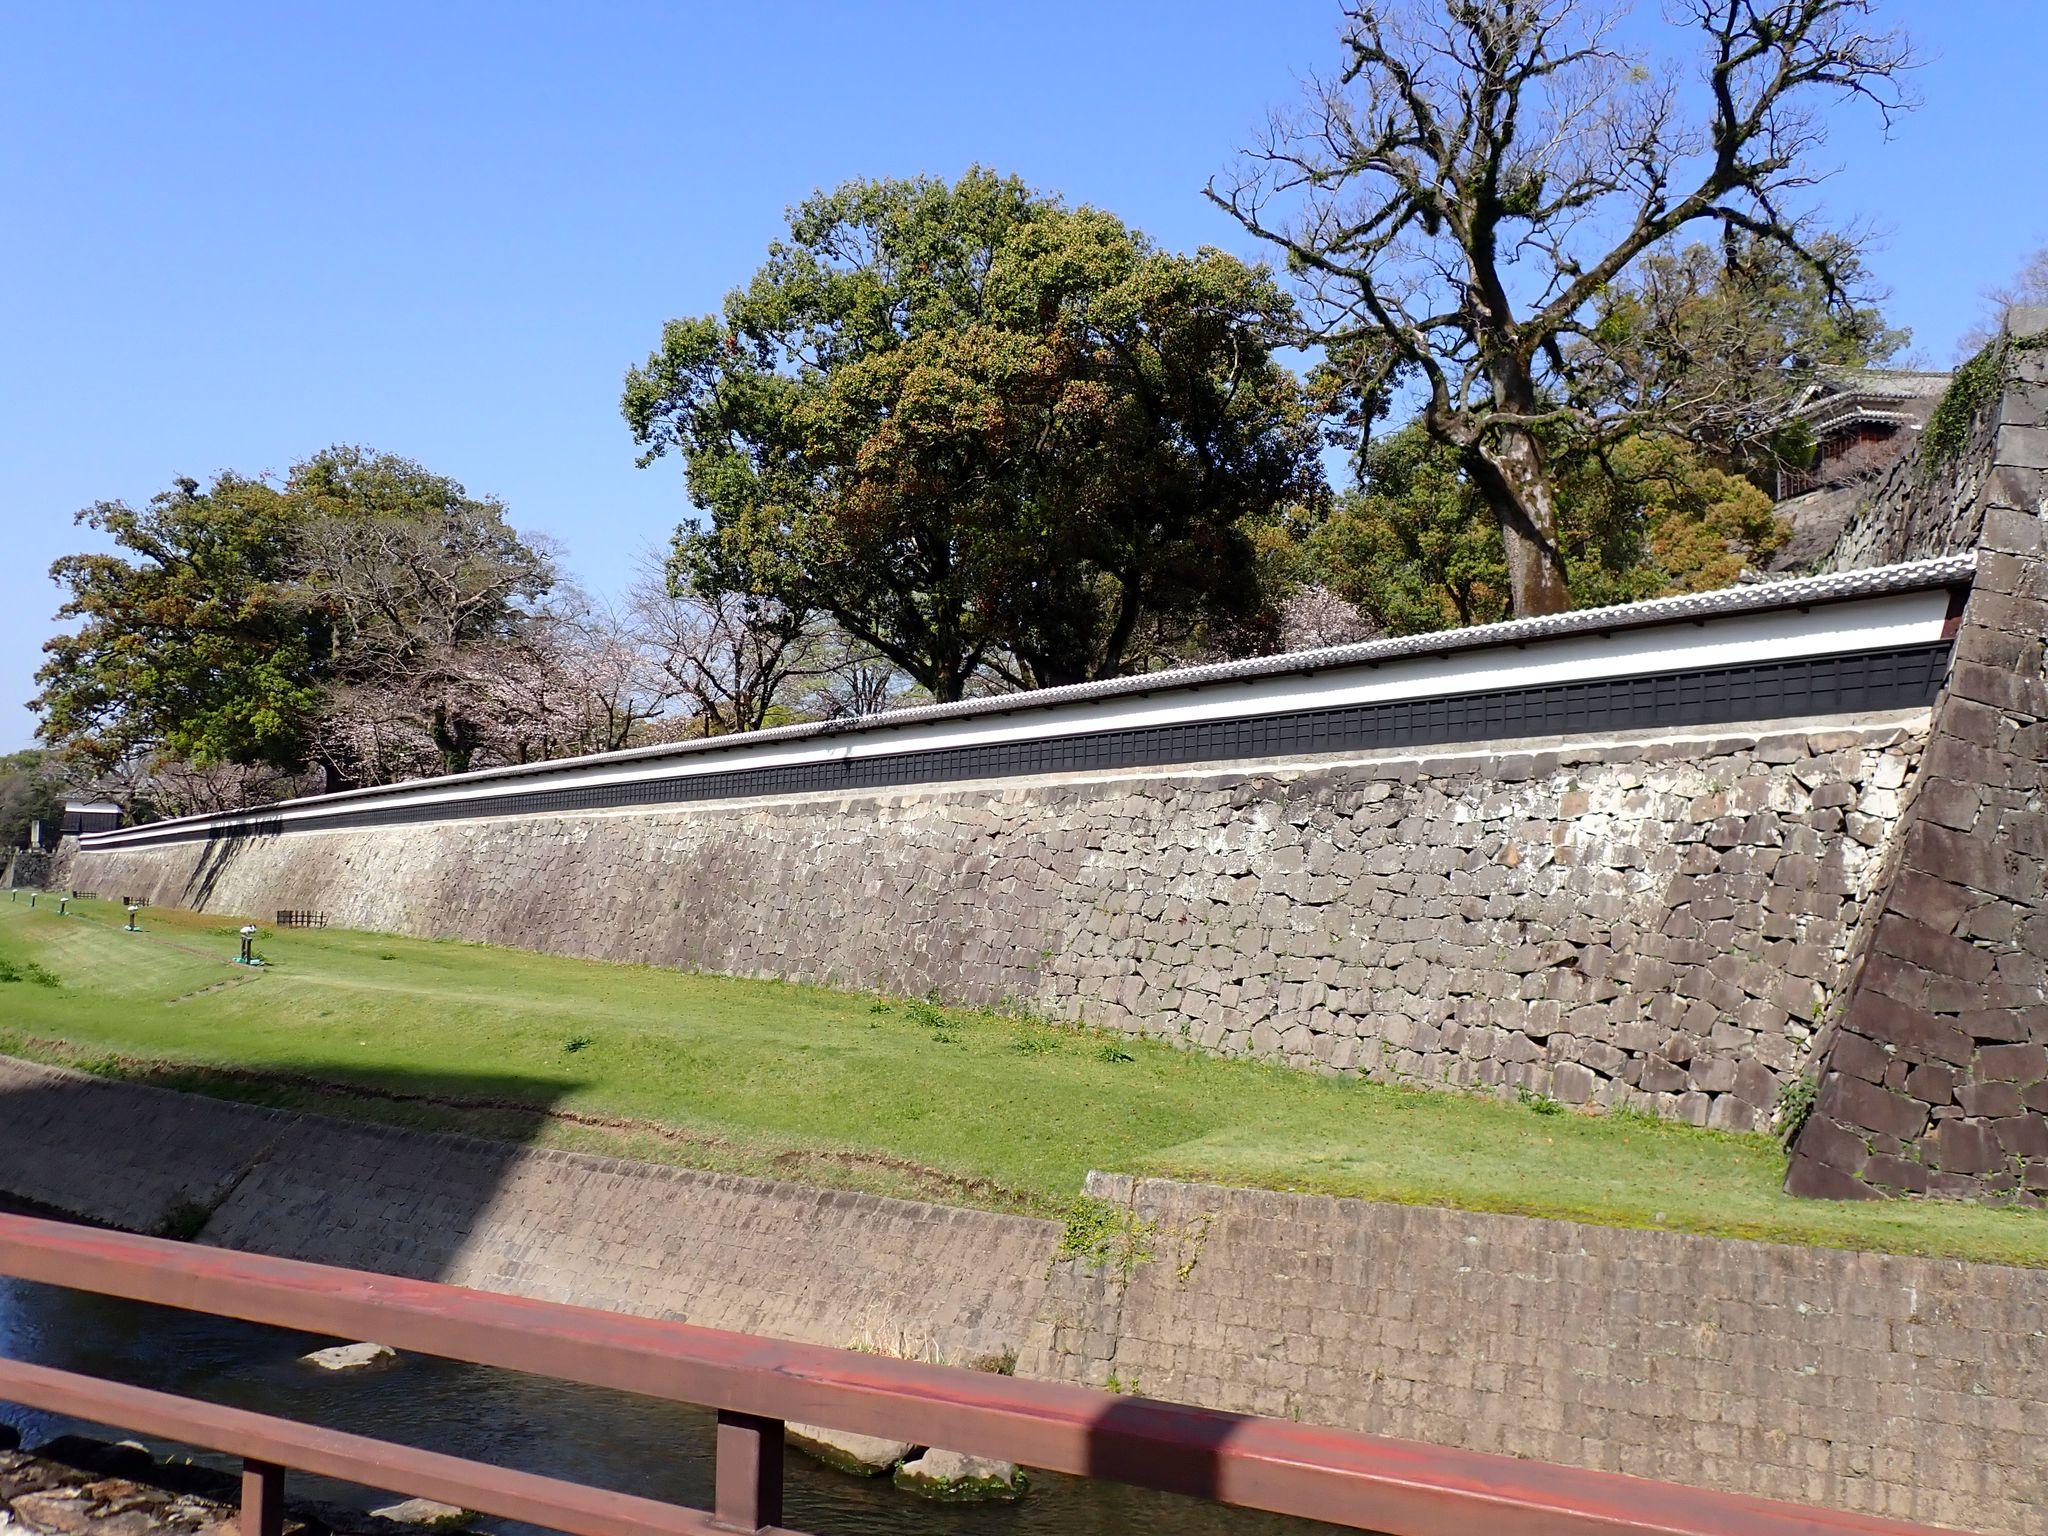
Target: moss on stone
{"x":947,"y":1477}
{"x":1974,"y":388}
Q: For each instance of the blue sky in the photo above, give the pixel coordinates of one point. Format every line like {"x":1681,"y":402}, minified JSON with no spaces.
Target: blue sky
{"x":233,"y":235}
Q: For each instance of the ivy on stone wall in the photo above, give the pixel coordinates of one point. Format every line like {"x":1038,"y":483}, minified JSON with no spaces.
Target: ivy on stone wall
{"x":1974,"y":387}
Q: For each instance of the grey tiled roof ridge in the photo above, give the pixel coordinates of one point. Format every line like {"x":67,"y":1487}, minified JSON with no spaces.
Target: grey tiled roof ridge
{"x":1878,"y":378}
{"x":1751,"y":597}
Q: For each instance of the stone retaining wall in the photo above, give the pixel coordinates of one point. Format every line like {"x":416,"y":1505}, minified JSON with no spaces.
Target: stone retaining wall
{"x":824,"y":1266}
{"x":1652,"y":921}
{"x":1937,"y":1077}
{"x":1918,"y":510}
{"x":1664,"y":923}
{"x":1908,"y":1387}
{"x":27,"y":869}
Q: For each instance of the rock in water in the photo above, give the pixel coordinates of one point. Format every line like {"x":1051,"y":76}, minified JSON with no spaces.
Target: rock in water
{"x":862,"y":1455}
{"x":957,"y":1479}
{"x":124,"y":1458}
{"x":350,"y":1357}
{"x":421,"y":1512}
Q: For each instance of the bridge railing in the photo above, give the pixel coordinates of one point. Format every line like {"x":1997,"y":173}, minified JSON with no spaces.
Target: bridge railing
{"x":756,"y":1384}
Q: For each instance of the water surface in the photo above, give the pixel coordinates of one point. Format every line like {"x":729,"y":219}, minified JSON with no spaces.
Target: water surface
{"x":608,"y":1439}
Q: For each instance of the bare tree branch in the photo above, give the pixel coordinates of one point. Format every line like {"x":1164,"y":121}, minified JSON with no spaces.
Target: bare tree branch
{"x":1461,"y":195}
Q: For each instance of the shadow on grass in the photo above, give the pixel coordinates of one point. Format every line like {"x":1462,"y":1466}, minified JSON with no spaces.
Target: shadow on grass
{"x":131,"y":1152}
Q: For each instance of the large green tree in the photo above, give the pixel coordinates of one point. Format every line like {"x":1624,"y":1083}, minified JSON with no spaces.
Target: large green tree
{"x":233,"y":622}
{"x":981,"y":430}
{"x":190,"y":640}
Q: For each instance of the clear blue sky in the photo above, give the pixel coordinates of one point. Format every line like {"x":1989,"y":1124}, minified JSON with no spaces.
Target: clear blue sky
{"x":231,"y":235}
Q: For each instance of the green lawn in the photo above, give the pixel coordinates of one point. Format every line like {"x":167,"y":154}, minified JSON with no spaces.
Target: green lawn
{"x":842,"y":1088}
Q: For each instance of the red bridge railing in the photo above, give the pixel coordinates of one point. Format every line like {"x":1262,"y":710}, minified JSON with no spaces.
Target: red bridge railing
{"x":754,"y":1384}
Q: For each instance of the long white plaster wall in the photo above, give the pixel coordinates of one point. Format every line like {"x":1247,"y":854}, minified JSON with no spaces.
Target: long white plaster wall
{"x":1377,"y":673}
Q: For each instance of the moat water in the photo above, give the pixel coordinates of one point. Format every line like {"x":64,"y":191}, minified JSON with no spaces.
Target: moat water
{"x":607,"y":1439}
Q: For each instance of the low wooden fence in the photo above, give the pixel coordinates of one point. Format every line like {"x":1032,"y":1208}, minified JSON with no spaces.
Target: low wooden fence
{"x":755,"y":1384}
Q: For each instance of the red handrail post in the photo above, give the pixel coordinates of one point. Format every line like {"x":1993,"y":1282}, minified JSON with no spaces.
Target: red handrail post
{"x":748,"y":1474}
{"x":262,"y":1499}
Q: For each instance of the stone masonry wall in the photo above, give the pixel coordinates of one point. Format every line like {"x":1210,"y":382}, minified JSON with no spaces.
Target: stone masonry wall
{"x":1652,"y":921}
{"x":823,"y":1266}
{"x":26,"y":869}
{"x":1909,"y":1387}
{"x":1906,"y":1387}
{"x":1918,"y":511}
{"x":1936,"y":1076}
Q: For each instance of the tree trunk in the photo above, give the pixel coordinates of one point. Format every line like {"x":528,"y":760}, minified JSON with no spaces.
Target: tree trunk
{"x":334,"y":778}
{"x":946,"y":684}
{"x":1509,"y":473}
{"x":455,"y":740}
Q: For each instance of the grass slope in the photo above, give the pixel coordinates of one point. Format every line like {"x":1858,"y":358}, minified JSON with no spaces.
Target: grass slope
{"x":846,"y":1089}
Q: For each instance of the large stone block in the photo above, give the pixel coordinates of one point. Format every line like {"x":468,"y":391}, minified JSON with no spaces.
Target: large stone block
{"x":1850,"y":1101}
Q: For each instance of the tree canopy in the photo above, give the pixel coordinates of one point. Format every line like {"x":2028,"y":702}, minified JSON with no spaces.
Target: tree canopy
{"x":426,"y":598}
{"x":1416,"y":547}
{"x":981,"y":430}
{"x":31,"y":790}
{"x":364,"y":620}
{"x":193,"y":641}
{"x":238,"y":620}
{"x":1462,"y":196}
{"x":1715,"y":345}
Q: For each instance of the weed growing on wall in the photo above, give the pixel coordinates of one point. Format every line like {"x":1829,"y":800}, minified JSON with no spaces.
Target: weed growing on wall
{"x":1794,"y":1108}
{"x":185,"y":1221}
{"x":895,"y":1340}
{"x":1106,"y":1236}
{"x":1973,"y":386}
